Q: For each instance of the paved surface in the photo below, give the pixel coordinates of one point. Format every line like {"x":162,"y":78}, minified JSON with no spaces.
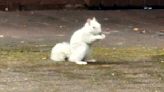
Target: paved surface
{"x":125,"y":28}
{"x":57,"y":26}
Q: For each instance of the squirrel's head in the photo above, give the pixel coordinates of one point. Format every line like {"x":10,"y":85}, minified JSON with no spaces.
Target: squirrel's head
{"x":93,"y":25}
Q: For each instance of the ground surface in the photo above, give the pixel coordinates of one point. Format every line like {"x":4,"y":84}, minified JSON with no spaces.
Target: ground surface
{"x":130,"y":59}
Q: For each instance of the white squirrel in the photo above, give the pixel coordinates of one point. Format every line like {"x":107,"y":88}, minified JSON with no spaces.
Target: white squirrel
{"x":80,"y":43}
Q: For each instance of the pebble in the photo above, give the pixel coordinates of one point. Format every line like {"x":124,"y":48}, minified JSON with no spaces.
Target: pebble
{"x":162,"y":61}
{"x":113,"y":74}
{"x":135,"y":29}
{"x":1,"y":36}
{"x":106,"y":32}
{"x":60,"y":26}
{"x":21,"y":41}
{"x":6,"y":9}
{"x":114,"y":48}
{"x":106,"y":19}
{"x":60,"y":35}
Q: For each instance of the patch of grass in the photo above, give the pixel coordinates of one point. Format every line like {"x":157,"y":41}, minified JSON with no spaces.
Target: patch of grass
{"x":127,"y":54}
{"x":37,"y":54}
{"x":22,"y":55}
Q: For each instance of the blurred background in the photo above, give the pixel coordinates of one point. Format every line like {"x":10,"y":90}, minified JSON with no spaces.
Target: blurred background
{"x":76,"y":4}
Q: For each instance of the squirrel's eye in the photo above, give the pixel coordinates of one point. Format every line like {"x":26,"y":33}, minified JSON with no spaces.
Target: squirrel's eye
{"x":94,"y":27}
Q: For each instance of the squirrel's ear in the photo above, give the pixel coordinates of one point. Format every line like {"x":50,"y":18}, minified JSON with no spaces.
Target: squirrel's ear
{"x":89,"y":21}
{"x":94,"y":18}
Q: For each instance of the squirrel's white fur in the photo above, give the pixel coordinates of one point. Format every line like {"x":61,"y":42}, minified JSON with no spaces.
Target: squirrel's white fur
{"x":60,"y":52}
{"x":80,"y":42}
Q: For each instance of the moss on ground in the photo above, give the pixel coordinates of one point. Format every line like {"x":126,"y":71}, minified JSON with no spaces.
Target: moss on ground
{"x":127,"y":54}
{"x":36,"y":54}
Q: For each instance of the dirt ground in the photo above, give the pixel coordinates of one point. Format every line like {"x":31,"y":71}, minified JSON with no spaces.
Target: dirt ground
{"x":27,"y":37}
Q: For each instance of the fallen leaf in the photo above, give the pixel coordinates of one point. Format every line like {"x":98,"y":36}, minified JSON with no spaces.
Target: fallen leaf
{"x":44,"y":58}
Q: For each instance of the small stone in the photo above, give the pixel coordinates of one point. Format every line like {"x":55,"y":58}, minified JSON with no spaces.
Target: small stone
{"x":60,"y":26}
{"x":1,"y":36}
{"x":145,"y":7}
{"x":136,"y":29}
{"x":44,"y":58}
{"x":144,"y":31}
{"x":32,"y":12}
{"x":92,"y":60}
{"x":60,"y":35}
{"x":162,"y":61}
{"x":120,"y":43}
{"x":156,"y":91}
{"x":114,"y":48}
{"x":25,"y":79}
{"x":106,"y":32}
{"x":6,"y":9}
{"x":68,"y":6}
{"x":24,"y":25}
{"x":106,"y":19}
{"x":149,"y":8}
{"x":113,"y":74}
{"x":79,"y":6}
{"x":21,"y":41}
{"x":160,"y":33}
